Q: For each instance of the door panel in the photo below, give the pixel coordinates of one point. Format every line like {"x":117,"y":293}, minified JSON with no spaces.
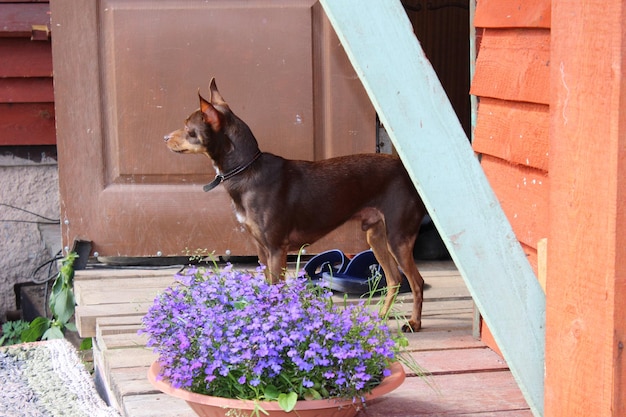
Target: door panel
{"x":127,"y":72}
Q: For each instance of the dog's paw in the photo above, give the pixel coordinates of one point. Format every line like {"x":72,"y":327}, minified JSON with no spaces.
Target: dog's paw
{"x":412,"y":326}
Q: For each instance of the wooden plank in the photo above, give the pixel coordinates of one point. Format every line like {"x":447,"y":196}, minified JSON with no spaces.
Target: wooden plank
{"x":113,"y":322}
{"x":412,"y":105}
{"x":100,"y":273}
{"x":156,"y":405}
{"x":523,"y":193}
{"x":121,"y":340}
{"x":462,"y":394}
{"x":128,"y":358}
{"x":455,"y":361}
{"x":28,"y":58}
{"x":112,"y":291}
{"x":26,"y":90}
{"x":117,"y":330}
{"x":86,"y":316}
{"x":514,"y":64}
{"x":131,"y":381}
{"x":27,"y":124}
{"x":16,"y":19}
{"x":444,"y":289}
{"x":586,"y":290}
{"x":513,"y":13}
{"x":442,"y":339}
{"x":531,"y":255}
{"x":99,"y":287}
{"x":514,"y":131}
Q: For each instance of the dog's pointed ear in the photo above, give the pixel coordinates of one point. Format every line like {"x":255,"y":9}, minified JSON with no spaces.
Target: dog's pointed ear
{"x":216,"y":98}
{"x":211,"y":115}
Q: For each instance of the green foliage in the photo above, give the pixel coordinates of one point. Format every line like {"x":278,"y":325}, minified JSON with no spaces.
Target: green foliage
{"x":36,"y":329}
{"x":12,"y":332}
{"x":86,"y":344}
{"x":287,"y":401}
{"x":62,"y":307}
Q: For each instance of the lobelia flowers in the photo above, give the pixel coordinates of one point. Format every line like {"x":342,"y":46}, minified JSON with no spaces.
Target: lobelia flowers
{"x":229,"y":333}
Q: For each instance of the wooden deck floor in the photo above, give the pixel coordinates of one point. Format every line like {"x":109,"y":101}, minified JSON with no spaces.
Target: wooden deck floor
{"x":466,"y":378}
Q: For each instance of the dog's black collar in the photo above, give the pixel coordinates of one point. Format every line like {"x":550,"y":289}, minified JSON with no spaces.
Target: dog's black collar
{"x":223,"y":177}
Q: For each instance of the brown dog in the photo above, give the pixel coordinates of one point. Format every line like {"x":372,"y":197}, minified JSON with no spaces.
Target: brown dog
{"x":285,"y":204}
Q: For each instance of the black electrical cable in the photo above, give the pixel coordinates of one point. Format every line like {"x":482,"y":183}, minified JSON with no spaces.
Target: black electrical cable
{"x":49,"y":263}
{"x":47,"y":219}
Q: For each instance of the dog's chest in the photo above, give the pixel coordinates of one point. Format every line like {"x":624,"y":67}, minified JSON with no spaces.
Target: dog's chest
{"x":240,"y":215}
{"x":245,"y":215}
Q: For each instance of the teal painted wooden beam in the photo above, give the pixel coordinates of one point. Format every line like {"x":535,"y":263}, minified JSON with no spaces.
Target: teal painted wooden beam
{"x":414,"y":108}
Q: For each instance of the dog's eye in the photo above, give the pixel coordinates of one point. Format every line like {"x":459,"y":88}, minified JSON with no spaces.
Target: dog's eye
{"x":191,"y":133}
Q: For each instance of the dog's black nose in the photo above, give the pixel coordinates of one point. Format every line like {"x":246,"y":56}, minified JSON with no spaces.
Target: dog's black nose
{"x":166,"y":138}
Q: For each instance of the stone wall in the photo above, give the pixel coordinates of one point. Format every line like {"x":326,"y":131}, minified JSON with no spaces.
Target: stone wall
{"x":28,"y":183}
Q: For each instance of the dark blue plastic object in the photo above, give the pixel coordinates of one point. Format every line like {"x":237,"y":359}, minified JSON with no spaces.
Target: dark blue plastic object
{"x":331,"y":261}
{"x":359,"y":276}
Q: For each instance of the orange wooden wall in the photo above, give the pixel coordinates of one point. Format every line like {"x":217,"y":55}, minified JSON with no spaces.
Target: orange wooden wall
{"x":586,"y":274}
{"x":552,"y":133}
{"x":512,"y":82}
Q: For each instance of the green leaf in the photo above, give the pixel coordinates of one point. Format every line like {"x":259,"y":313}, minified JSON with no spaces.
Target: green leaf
{"x":86,"y":344}
{"x":271,"y":393}
{"x":287,"y":401}
{"x":52,"y":333}
{"x":71,"y":326}
{"x":12,"y":332}
{"x":312,"y":394}
{"x":36,"y":329}
{"x":64,"y":308}
{"x":57,"y":287}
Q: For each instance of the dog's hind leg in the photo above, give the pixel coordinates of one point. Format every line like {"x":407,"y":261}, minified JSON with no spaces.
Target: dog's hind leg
{"x":377,"y":239}
{"x":402,"y":249}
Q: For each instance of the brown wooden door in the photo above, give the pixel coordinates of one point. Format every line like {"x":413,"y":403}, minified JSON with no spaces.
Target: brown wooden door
{"x":127,"y":72}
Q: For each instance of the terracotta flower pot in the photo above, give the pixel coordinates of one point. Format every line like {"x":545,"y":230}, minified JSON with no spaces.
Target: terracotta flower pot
{"x":207,"y":406}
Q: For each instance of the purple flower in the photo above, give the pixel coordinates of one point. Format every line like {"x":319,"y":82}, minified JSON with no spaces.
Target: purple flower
{"x":230,"y":333}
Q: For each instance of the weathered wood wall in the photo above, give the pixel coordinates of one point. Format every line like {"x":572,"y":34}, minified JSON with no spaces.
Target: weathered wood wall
{"x":512,"y":82}
{"x":586,"y":274}
{"x":551,"y":100}
{"x":26,"y":93}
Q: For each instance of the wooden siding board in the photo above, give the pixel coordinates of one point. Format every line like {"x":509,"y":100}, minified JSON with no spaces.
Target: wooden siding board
{"x":514,"y":64}
{"x":514,"y":131}
{"x":28,"y":58}
{"x":26,"y":90}
{"x":523,"y":193}
{"x":513,"y":13}
{"x":27,"y":124}
{"x":412,"y":105}
{"x":16,"y":19}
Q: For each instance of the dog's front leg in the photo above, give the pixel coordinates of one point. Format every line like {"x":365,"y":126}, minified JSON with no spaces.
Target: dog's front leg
{"x":277,"y":266}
